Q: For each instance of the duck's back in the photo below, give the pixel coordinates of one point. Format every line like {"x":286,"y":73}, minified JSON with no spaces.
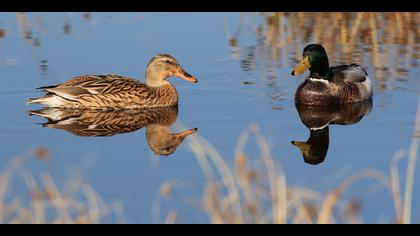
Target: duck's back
{"x":352,"y":73}
{"x":101,"y":84}
{"x":124,"y":92}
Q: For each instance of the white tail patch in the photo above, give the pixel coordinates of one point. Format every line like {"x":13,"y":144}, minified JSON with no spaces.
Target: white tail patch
{"x":366,"y":91}
{"x":368,"y":85}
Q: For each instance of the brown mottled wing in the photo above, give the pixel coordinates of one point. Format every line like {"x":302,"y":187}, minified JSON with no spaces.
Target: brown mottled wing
{"x":94,"y":85}
{"x":80,"y":80}
{"x":123,"y":84}
{"x":122,"y":92}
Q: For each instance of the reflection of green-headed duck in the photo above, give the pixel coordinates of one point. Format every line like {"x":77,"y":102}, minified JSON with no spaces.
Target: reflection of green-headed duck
{"x":327,"y":85}
{"x":119,"y":92}
{"x":318,"y":118}
{"x":315,"y":149}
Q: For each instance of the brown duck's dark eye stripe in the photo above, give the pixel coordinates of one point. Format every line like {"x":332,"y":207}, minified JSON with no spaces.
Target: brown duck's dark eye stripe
{"x":170,"y":62}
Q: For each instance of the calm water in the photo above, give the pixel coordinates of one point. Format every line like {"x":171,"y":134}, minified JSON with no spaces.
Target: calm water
{"x":243,"y":78}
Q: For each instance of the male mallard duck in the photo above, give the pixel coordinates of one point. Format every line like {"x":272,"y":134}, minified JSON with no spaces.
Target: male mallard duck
{"x":119,"y":92}
{"x":327,"y":85}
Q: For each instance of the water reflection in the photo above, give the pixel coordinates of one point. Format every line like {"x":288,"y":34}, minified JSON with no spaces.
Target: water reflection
{"x":32,"y":29}
{"x":94,"y":123}
{"x":2,"y":33}
{"x":67,"y":27}
{"x":318,"y":119}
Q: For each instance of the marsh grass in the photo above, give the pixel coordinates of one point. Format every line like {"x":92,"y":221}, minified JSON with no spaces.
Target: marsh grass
{"x":255,"y":190}
{"x":249,"y":190}
{"x":48,"y":202}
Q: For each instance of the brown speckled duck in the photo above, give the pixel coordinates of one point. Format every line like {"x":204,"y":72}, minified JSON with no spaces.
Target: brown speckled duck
{"x":327,"y":85}
{"x":118,"y":92}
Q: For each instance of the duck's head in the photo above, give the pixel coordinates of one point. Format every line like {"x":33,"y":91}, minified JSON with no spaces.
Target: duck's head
{"x":315,"y":59}
{"x":315,"y":149}
{"x":163,"y":66}
{"x":164,"y":143}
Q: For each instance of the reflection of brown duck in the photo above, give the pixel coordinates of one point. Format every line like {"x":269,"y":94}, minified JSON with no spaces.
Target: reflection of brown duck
{"x":318,"y":118}
{"x":162,"y":141}
{"x":93,"y":123}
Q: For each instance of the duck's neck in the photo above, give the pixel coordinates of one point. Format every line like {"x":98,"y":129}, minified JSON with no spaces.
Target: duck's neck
{"x":154,"y":79}
{"x":152,"y":82}
{"x":321,"y":73}
{"x":320,"y":67}
{"x":163,"y":95}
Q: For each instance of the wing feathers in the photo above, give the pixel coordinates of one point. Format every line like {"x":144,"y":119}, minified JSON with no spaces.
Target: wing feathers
{"x":70,"y":93}
{"x":351,"y":73}
{"x":104,"y":90}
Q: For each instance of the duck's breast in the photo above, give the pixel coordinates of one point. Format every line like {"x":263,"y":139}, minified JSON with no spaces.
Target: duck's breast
{"x":316,"y":92}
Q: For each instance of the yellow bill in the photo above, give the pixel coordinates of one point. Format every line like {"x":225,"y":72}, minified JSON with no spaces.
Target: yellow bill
{"x":303,"y":65}
{"x":305,"y":148}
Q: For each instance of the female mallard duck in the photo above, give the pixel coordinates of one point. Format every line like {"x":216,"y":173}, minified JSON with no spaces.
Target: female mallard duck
{"x":118,"y":92}
{"x":327,"y":85}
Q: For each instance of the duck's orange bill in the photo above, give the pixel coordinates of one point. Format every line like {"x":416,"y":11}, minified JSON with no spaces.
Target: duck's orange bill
{"x":186,"y":76}
{"x":186,"y":133}
{"x":303,"y":65}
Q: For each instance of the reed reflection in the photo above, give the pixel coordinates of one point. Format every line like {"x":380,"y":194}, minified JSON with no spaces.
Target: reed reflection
{"x":318,"y":118}
{"x":100,"y":123}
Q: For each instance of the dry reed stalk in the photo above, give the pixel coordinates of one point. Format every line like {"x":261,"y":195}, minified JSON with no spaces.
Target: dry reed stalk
{"x":204,"y":150}
{"x":411,"y":168}
{"x":47,"y":198}
{"x":288,"y":204}
{"x":395,"y":186}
